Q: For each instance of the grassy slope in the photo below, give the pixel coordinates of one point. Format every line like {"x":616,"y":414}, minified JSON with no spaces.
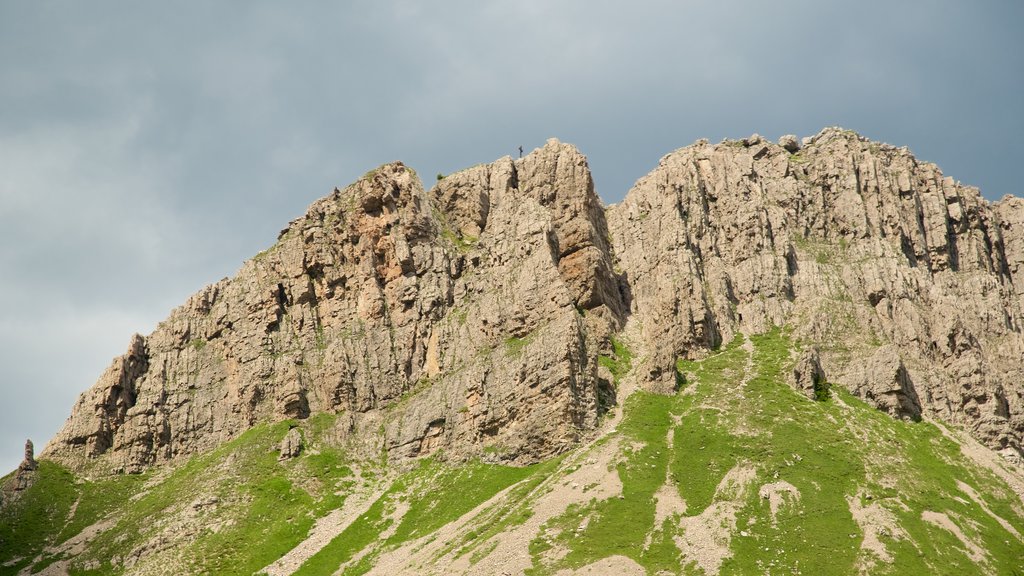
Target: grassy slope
{"x":736,"y":411}
{"x":243,"y":509}
{"x":39,"y":512}
{"x":435,"y":495}
{"x":246,"y":509}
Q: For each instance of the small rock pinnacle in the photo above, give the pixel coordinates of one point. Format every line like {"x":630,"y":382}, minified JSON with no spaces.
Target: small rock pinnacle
{"x":30,"y":461}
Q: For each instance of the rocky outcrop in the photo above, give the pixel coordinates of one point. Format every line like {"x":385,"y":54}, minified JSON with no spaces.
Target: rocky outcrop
{"x":808,"y":377}
{"x":469,"y":319}
{"x":23,"y":477}
{"x":29,"y":462}
{"x":463,"y":318}
{"x":291,"y":444}
{"x":856,"y":245}
{"x":884,"y":382}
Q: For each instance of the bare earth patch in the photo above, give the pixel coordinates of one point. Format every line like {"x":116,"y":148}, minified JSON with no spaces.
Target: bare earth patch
{"x":706,"y":537}
{"x":778,"y":494}
{"x":874,"y":521}
{"x":617,"y":565}
{"x":667,"y":502}
{"x":981,"y":503}
{"x":942,"y":520}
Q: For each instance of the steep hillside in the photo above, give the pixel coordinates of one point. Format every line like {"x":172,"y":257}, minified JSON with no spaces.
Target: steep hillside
{"x":766,"y":359}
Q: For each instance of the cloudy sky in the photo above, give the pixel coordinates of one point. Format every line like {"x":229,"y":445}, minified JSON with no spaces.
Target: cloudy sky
{"x":148,"y":148}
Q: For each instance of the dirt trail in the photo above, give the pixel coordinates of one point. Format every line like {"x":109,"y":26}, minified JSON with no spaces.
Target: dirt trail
{"x":874,"y":521}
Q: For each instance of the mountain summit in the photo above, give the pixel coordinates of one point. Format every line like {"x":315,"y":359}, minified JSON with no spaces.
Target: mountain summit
{"x":501,"y":374}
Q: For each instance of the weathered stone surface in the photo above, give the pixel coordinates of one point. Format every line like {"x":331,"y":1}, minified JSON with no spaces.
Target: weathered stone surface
{"x":472,"y":316}
{"x":790,"y":143}
{"x":23,"y":477}
{"x":854,"y":244}
{"x":882,"y":380}
{"x":291,"y":444}
{"x":451,"y":319}
{"x":807,"y":376}
{"x":29,"y":462}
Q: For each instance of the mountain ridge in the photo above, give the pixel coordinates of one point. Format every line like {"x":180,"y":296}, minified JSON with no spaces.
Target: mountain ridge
{"x":584,"y":262}
{"x":506,"y":316}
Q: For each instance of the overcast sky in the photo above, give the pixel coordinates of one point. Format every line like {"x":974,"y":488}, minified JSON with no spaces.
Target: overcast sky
{"x":148,"y":148}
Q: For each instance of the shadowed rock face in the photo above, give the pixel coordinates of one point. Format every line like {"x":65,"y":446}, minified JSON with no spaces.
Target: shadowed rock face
{"x":471,"y":317}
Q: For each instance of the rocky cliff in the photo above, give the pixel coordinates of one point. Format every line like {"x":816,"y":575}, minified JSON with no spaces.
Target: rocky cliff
{"x":386,"y":389}
{"x":474,"y":317}
{"x":911,"y":284}
{"x":468,"y":318}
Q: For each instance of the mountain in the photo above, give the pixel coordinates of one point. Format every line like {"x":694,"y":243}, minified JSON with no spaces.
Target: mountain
{"x":769,"y":358}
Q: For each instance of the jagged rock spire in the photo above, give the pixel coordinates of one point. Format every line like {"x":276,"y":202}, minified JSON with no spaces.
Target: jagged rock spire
{"x":29,"y":463}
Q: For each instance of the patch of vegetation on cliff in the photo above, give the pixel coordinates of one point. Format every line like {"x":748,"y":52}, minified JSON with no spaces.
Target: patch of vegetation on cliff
{"x":462,"y":242}
{"x":620,"y":362}
{"x":514,"y":345}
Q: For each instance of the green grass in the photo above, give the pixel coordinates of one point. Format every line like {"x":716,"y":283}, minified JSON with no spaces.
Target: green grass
{"x":436,"y":495}
{"x":501,"y":518}
{"x":254,"y":508}
{"x":736,"y":412}
{"x":276,"y":517}
{"x":620,"y":362}
{"x":28,"y":524}
{"x":263,"y":526}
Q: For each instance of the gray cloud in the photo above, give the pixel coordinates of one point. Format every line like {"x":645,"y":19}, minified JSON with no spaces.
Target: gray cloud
{"x":146,"y":149}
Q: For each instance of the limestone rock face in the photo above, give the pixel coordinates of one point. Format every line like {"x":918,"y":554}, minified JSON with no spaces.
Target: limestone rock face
{"x":883,"y":381}
{"x":858,"y":247}
{"x":808,"y":377}
{"x":291,"y":444}
{"x":468,"y":320}
{"x":449,"y":319}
